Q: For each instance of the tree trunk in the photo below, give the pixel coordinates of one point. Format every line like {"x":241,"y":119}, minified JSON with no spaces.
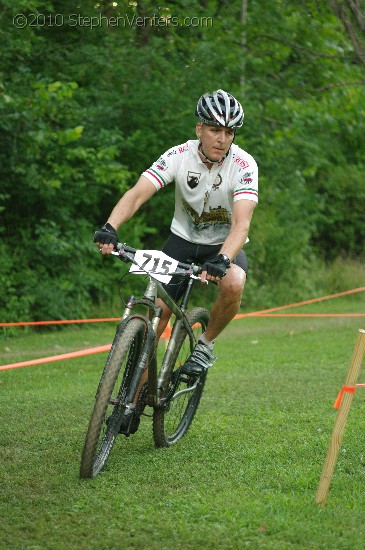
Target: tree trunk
{"x":243,"y":20}
{"x":352,"y":16}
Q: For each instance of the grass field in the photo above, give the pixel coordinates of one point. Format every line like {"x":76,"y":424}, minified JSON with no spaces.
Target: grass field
{"x":246,"y":474}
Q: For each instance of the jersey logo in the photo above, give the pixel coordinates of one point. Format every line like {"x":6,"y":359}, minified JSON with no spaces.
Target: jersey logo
{"x":246,"y":178}
{"x":183,"y":148}
{"x":193,"y":179}
{"x":241,"y":162}
{"x":161,"y":164}
{"x":217,"y":182}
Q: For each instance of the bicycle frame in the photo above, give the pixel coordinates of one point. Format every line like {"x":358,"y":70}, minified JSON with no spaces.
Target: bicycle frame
{"x":154,"y":290}
{"x":123,"y":391}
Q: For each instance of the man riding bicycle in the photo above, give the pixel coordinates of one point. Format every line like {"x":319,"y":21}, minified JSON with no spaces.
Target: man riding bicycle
{"x":216,"y":191}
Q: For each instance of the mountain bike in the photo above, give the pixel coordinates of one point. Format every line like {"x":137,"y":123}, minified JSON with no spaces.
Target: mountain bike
{"x":122,"y":395}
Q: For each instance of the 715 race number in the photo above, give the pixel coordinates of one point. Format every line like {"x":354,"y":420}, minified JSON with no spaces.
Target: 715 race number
{"x":155,"y":263}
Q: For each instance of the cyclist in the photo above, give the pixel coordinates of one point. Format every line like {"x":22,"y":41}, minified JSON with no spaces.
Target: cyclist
{"x":216,"y":191}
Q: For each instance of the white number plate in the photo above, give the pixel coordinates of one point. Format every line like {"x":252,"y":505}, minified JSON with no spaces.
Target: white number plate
{"x":155,"y":263}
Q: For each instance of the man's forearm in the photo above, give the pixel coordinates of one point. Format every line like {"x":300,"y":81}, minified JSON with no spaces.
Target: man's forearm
{"x":131,"y":201}
{"x":234,"y":242}
{"x":123,"y":210}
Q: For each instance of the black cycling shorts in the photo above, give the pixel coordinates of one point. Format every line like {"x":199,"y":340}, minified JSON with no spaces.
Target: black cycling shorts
{"x":187,"y":252}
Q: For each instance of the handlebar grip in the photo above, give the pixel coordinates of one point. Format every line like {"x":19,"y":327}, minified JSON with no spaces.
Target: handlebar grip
{"x":126,"y":248}
{"x":195,"y":269}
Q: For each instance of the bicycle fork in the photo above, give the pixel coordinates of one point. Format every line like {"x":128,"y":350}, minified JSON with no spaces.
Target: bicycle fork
{"x":147,"y":359}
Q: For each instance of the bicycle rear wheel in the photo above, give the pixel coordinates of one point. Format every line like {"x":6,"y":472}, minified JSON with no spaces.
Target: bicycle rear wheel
{"x":110,"y":401}
{"x":183,"y":393}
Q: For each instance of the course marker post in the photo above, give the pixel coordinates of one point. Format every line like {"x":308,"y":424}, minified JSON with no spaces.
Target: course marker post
{"x":344,"y":404}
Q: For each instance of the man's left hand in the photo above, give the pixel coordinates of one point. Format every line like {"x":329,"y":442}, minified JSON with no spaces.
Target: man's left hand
{"x":216,"y":267}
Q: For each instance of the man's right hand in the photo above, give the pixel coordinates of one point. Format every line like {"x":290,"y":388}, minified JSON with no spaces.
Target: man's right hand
{"x":106,"y":238}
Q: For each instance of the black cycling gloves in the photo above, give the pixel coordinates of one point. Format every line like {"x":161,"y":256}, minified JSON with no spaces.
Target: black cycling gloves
{"x":217,"y":267}
{"x":106,"y":235}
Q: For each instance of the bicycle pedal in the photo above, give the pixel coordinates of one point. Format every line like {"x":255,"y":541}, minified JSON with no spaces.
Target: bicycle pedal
{"x":129,"y":425}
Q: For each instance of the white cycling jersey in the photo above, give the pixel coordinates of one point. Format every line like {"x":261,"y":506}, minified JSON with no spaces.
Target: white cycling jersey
{"x":204,"y":198}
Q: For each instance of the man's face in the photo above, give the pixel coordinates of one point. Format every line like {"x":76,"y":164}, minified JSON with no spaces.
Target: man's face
{"x":216,"y":140}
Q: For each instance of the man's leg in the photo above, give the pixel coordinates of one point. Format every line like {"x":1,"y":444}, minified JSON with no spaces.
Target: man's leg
{"x":223,"y":311}
{"x":224,"y":308}
{"x":228,"y":301}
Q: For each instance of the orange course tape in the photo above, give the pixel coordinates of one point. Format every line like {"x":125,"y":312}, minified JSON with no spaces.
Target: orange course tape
{"x":258,"y":314}
{"x":71,"y":355}
{"x":347,"y":389}
{"x":304,"y":303}
{"x":262,"y":313}
{"x":239,"y":316}
{"x":59,"y":322}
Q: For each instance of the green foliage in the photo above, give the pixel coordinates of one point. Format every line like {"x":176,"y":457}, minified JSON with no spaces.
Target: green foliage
{"x":56,"y":184}
{"x":85,"y":108}
{"x":341,"y":213}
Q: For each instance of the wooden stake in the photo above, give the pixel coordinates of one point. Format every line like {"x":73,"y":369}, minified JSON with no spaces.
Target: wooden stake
{"x":341,"y":420}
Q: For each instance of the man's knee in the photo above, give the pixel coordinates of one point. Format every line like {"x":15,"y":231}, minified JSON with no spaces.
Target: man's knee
{"x":234,"y":282}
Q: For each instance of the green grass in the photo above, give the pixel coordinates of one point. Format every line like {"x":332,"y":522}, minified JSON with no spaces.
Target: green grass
{"x":246,"y":474}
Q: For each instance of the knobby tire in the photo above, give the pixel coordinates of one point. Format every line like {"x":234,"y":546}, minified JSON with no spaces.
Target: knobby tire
{"x":109,"y":400}
{"x":173,"y":419}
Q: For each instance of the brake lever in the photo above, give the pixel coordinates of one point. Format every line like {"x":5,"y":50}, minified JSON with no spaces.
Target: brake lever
{"x":198,"y":278}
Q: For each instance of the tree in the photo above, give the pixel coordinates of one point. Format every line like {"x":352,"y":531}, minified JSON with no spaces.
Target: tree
{"x":85,"y":108}
{"x":352,"y":15}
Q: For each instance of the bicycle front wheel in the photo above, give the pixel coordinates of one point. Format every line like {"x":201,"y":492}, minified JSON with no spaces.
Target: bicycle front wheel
{"x":110,"y":401}
{"x":183,"y":393}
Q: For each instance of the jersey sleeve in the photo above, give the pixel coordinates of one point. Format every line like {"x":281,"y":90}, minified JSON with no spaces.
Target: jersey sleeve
{"x":246,"y":181}
{"x":162,"y":172}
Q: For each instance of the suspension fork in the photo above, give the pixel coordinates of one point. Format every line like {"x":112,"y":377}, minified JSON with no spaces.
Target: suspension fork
{"x":147,"y":351}
{"x":152,"y":362}
{"x":148,"y":356}
{"x":150,"y":294}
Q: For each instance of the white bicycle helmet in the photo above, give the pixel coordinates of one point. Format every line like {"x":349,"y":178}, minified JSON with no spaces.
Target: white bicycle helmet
{"x":221,"y":109}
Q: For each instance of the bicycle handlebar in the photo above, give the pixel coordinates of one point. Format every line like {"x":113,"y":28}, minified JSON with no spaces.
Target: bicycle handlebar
{"x":126,"y":253}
